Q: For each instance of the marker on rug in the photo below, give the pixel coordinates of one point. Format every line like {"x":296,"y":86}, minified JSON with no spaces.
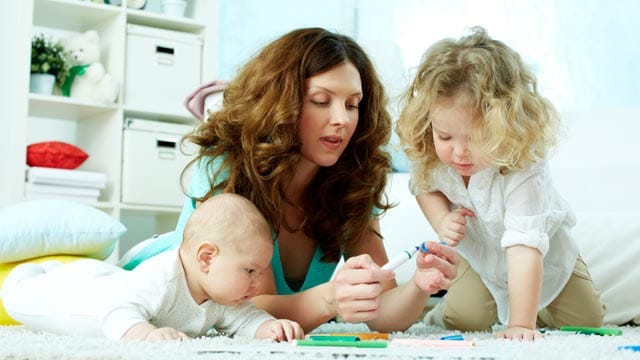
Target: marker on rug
{"x":592,"y":330}
{"x":634,"y":348}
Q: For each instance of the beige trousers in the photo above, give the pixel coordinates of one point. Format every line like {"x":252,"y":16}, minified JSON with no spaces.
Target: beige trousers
{"x":468,"y":305}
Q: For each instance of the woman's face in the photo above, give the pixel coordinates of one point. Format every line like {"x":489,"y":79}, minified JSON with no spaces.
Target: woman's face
{"x":329,"y":114}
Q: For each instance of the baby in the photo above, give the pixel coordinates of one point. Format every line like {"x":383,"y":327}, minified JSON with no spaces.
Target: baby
{"x":206,"y":283}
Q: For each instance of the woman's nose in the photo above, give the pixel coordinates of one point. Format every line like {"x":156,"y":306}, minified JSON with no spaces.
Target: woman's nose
{"x":339,"y":115}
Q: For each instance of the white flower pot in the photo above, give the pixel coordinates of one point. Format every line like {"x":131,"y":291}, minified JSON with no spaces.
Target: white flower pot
{"x":41,"y":83}
{"x":174,"y":8}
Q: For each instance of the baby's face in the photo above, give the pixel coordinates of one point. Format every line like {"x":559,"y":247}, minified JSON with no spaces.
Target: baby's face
{"x":234,"y":274}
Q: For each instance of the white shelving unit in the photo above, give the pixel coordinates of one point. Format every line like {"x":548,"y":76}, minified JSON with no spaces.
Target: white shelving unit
{"x":96,"y":128}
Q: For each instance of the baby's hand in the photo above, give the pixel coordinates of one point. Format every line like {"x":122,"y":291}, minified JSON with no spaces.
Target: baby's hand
{"x":280,"y":330}
{"x":453,"y":226}
{"x":519,"y":333}
{"x":165,"y":333}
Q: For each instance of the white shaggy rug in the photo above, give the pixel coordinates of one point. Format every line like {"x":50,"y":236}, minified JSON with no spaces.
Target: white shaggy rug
{"x":18,"y":343}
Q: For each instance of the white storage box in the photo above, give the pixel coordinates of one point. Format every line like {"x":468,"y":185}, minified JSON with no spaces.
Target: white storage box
{"x":152,"y":162}
{"x":162,"y":68}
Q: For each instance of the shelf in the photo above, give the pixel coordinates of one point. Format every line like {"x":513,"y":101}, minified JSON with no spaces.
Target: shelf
{"x":148,"y":18}
{"x":72,"y":14}
{"x":140,"y":113}
{"x":61,"y":107}
{"x":150,"y":209}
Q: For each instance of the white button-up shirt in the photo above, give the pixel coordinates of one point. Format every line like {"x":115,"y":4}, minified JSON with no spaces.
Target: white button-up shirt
{"x":519,"y":208}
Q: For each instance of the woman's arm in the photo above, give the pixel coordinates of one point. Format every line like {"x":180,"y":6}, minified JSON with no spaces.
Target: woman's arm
{"x":401,"y":306}
{"x":310,"y":308}
{"x":362,"y":292}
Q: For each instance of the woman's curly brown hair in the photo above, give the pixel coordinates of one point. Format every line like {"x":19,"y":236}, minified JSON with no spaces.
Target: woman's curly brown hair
{"x":255,"y":133}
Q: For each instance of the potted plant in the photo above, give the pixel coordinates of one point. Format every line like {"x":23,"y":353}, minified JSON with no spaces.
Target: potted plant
{"x":48,"y":64}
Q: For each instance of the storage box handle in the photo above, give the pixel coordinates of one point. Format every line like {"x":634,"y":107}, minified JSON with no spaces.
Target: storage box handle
{"x":165,"y":144}
{"x":165,"y":55}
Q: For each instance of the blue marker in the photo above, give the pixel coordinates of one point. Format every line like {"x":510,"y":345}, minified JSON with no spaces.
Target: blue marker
{"x":405,"y":256}
{"x":402,"y":258}
{"x":634,"y":348}
{"x":424,"y":249}
{"x":456,"y":337}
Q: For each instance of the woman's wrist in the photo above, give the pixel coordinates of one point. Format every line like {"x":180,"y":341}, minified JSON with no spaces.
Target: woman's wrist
{"x":329,"y":297}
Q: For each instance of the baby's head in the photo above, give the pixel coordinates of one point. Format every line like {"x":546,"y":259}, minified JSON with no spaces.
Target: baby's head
{"x":226,"y":246}
{"x":509,"y":123}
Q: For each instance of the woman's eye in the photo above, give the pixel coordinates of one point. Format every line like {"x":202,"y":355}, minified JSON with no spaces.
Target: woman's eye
{"x":320,"y":103}
{"x":352,"y":106}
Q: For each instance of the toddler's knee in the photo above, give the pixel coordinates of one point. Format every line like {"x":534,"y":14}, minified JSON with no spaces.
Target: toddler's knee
{"x":467,"y":321}
{"x":596,"y":317}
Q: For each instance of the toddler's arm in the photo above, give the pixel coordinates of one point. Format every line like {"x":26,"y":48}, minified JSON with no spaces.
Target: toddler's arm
{"x":146,"y":331}
{"x":524,"y":267}
{"x":279,"y":330}
{"x":449,"y":225}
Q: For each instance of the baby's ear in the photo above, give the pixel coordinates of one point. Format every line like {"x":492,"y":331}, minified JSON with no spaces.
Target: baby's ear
{"x":205,"y":254}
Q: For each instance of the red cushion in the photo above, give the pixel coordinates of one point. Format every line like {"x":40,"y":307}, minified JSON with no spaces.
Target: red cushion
{"x":55,"y":154}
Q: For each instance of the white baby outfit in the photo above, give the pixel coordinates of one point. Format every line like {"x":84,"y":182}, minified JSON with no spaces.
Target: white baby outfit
{"x":94,"y":298}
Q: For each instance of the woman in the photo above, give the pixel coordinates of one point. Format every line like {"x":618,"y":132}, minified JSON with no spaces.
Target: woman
{"x":301,"y":134}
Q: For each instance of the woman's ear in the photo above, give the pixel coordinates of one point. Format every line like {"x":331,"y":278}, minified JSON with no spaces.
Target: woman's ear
{"x":205,"y":254}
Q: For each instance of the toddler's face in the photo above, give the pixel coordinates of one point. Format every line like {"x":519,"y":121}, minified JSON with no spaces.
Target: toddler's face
{"x":234,"y":274}
{"x":452,"y":125}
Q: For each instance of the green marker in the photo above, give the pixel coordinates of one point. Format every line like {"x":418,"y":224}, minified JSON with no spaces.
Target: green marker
{"x":592,"y":330}
{"x":359,"y":344}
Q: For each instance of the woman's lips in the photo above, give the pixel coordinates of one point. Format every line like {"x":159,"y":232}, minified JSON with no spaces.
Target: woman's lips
{"x":332,"y":142}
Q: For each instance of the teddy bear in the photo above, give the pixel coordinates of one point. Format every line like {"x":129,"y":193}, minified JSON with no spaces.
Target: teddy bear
{"x":86,"y":78}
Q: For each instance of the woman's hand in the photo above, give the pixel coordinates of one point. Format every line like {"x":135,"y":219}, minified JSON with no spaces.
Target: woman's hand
{"x":436,"y":268}
{"x":357,"y":287}
{"x":453,"y":226}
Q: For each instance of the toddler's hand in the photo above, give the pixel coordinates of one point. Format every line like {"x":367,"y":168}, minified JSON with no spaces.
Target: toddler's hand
{"x":519,"y":333}
{"x":453,"y":226}
{"x":280,"y":330}
{"x":436,"y":268}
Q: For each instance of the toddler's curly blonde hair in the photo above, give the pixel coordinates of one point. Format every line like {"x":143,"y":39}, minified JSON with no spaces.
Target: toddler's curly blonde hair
{"x":513,"y":125}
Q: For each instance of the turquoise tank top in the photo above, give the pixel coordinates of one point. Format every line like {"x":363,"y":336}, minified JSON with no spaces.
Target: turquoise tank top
{"x":318,"y":273}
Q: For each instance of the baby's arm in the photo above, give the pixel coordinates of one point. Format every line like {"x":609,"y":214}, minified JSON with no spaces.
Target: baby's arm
{"x":279,"y":330}
{"x":449,"y":225}
{"x":146,"y":331}
{"x":524,"y":267}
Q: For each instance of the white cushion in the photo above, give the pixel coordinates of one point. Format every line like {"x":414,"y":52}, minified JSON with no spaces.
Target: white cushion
{"x":49,"y":227}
